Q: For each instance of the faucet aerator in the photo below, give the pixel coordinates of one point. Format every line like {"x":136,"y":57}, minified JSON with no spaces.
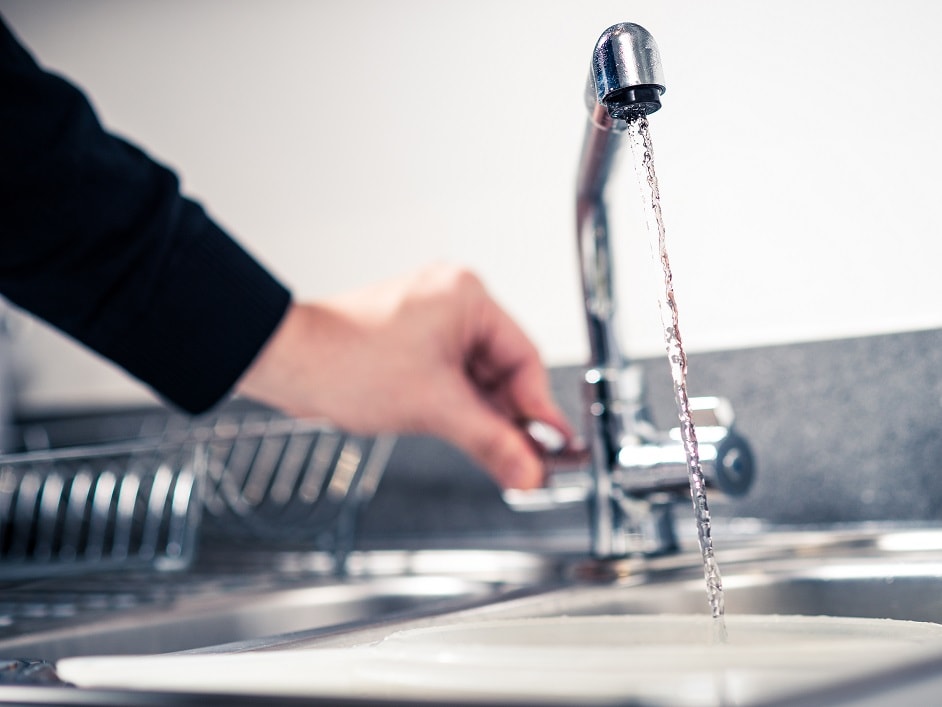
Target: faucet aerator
{"x":629,"y":103}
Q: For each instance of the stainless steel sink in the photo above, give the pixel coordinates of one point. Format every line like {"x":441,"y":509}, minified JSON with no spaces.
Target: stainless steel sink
{"x":849,"y":587}
{"x":295,"y":593}
{"x":871,"y":574}
{"x":839,"y":587}
{"x":291,"y":598}
{"x":854,"y":572}
{"x":859,"y":572}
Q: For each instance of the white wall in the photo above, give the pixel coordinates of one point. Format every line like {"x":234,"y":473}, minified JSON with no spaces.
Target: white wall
{"x":798,"y":152}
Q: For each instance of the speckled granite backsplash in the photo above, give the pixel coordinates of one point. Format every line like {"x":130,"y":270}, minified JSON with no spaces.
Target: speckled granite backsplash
{"x":846,"y":430}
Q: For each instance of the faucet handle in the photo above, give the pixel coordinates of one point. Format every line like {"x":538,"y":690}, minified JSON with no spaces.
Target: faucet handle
{"x":547,"y":438}
{"x":661,"y":465}
{"x":651,"y":466}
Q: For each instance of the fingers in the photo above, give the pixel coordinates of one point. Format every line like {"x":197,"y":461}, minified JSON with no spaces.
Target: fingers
{"x":493,"y":440}
{"x":508,"y":387}
{"x":506,"y":366}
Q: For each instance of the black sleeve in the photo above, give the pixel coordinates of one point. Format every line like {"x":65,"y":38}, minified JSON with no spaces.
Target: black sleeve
{"x":96,"y":239}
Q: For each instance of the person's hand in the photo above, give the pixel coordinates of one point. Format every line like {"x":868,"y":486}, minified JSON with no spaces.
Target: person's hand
{"x":431,"y":353}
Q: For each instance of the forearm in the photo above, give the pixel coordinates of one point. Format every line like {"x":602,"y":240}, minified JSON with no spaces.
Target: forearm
{"x":96,"y":239}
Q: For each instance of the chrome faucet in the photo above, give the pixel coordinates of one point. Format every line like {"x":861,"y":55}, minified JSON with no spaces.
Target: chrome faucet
{"x":637,"y":472}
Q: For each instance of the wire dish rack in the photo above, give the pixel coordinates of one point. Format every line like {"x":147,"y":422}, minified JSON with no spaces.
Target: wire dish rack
{"x":137,"y":489}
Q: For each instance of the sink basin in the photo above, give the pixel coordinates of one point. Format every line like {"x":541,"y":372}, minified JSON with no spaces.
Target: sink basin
{"x":847,"y":587}
{"x":295,"y":593}
{"x":879,"y":575}
{"x":248,"y":616}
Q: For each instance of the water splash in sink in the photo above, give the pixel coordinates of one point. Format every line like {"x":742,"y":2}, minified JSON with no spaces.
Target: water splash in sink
{"x":639,"y":138}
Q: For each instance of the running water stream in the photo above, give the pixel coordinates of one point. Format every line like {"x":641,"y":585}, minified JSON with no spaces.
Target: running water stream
{"x":639,"y":137}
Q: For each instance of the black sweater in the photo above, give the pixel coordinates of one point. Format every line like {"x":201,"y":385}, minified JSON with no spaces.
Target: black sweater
{"x":96,"y":239}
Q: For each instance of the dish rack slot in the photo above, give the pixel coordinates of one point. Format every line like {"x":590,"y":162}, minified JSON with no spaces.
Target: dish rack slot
{"x":291,"y":482}
{"x":98,"y":507}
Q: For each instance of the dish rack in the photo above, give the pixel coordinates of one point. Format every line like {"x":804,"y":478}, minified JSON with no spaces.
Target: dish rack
{"x":138,"y":489}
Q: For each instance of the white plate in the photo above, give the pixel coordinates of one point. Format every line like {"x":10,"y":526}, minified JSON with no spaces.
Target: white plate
{"x":593,"y":659}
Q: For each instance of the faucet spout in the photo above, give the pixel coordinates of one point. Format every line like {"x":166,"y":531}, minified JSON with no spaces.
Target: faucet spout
{"x":626,"y":77}
{"x":625,"y":80}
